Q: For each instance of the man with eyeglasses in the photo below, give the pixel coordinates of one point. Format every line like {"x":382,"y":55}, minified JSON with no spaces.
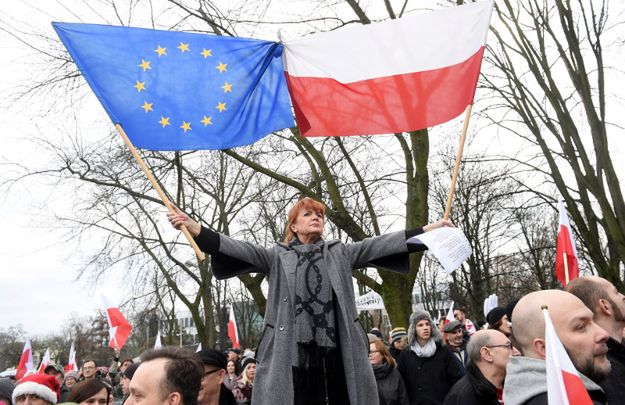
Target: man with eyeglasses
{"x":583,"y":339}
{"x":489,"y":352}
{"x":213,"y":391}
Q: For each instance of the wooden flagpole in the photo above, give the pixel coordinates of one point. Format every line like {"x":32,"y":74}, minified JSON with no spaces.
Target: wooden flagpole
{"x":159,"y":190}
{"x":454,"y":178}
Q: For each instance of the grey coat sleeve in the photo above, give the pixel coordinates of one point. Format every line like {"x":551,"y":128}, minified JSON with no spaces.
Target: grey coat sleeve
{"x":238,"y":257}
{"x":389,"y":251}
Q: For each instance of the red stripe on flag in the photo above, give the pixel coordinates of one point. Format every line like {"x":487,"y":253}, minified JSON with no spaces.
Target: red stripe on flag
{"x":406,"y":102}
{"x":564,"y":246}
{"x":575,"y":389}
{"x":22,"y":365}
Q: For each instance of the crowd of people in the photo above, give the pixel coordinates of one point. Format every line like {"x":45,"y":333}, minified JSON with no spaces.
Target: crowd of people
{"x":502,"y":362}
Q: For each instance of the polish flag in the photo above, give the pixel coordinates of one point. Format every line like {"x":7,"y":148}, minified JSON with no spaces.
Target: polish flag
{"x":400,"y":75}
{"x":119,"y":328}
{"x":233,"y":333}
{"x":26,"y":361}
{"x":45,"y":362}
{"x":564,"y":385}
{"x":157,"y":341}
{"x":71,"y":363}
{"x":565,"y":249}
{"x":450,"y":314}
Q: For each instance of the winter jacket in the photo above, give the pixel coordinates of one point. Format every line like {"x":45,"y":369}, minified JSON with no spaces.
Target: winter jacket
{"x":472,"y":389}
{"x":614,"y":385}
{"x":526,"y":383}
{"x":391,"y":388}
{"x":275,"y":351}
{"x":429,"y":379}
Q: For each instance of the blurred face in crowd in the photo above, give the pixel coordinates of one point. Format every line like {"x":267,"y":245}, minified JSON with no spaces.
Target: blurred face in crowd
{"x":30,"y":399}
{"x":233,"y":356}
{"x":125,"y":384}
{"x":375,"y":357}
{"x":498,"y":351}
{"x":89,"y":369}
{"x":505,"y":327}
{"x":100,"y":398}
{"x":69,"y":381}
{"x":56,"y":374}
{"x":124,"y":366}
{"x":251,"y":371}
{"x":423,"y":331}
{"x":211,"y":383}
{"x":231,"y":368}
{"x":459,"y":315}
{"x":454,"y":338}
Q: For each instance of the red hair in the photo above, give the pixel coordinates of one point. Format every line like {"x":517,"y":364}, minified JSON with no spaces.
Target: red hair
{"x":305,"y":203}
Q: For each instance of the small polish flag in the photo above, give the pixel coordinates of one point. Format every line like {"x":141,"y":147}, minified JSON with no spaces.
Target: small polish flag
{"x":71,"y":363}
{"x":564,"y":385}
{"x":119,"y":328}
{"x":26,"y":361}
{"x":157,"y":342}
{"x":233,"y":333}
{"x":45,"y":362}
{"x":450,"y":314}
{"x":566,"y":253}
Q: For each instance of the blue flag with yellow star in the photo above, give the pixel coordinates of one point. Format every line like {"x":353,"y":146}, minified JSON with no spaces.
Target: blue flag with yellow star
{"x":182,"y":91}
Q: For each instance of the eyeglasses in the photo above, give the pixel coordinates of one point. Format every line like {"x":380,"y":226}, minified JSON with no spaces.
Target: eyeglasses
{"x":207,"y":373}
{"x":373,"y":351}
{"x":506,"y":345}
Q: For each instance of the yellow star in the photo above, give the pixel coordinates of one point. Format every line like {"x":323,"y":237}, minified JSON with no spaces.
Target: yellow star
{"x":139,"y":86}
{"x":186,"y":126}
{"x":206,"y":53}
{"x":164,"y":121}
{"x":207,"y":121}
{"x":227,"y":87}
{"x":222,"y":67}
{"x":145,"y":65}
{"x":161,"y":51}
{"x":147,"y":106}
{"x":221,"y":107}
{"x":183,"y":47}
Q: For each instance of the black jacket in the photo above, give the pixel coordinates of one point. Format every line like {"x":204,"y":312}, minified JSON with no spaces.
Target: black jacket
{"x":428,"y":380}
{"x":391,"y":388}
{"x":472,"y":389}
{"x":614,"y":385}
{"x":226,"y":397}
{"x":597,"y":397}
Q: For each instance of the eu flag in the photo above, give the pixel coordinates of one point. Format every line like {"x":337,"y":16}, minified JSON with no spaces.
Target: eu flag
{"x":182,"y":91}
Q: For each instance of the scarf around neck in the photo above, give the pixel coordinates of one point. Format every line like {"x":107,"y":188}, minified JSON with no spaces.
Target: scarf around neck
{"x":424,"y":351}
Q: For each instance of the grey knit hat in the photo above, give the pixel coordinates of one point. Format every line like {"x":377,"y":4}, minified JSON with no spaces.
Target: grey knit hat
{"x":6,"y":389}
{"x":417,"y":316}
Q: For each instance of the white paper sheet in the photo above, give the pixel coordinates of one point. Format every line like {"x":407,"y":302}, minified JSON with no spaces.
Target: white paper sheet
{"x":447,"y":244}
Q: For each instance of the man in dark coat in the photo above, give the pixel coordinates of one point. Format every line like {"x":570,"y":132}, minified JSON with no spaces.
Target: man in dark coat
{"x":213,"y":391}
{"x":608,"y":307}
{"x":489,"y":352}
{"x":456,"y":341}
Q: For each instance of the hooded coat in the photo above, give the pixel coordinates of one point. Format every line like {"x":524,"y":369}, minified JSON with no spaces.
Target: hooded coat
{"x":277,"y":347}
{"x":526,"y":383}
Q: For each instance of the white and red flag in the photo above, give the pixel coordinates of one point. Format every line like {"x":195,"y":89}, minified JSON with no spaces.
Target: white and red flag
{"x":564,"y":385}
{"x":26,"y":361}
{"x":71,"y":363}
{"x":233,"y":333}
{"x":400,"y":75}
{"x":157,"y":341}
{"x":566,"y":254}
{"x":119,"y":328}
{"x":450,"y":314}
{"x":45,"y":362}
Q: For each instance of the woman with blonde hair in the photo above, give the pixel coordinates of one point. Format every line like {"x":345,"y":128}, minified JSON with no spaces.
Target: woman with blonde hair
{"x":242,"y":386}
{"x":391,"y":388}
{"x":313,"y":349}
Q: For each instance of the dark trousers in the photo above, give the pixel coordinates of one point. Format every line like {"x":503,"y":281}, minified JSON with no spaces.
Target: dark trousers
{"x":320,"y":378}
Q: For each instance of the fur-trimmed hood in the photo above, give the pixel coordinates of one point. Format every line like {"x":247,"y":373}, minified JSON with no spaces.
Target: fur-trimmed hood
{"x":420,"y":315}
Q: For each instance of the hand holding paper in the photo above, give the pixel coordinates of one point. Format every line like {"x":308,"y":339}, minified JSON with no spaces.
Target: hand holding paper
{"x":447,"y":244}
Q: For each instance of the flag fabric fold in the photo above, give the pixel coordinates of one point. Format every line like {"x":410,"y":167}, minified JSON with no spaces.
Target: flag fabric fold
{"x":233,"y":333}
{"x":565,"y":249}
{"x":25,"y":363}
{"x":45,"y":362}
{"x":71,"y":362}
{"x":119,"y":328}
{"x":394,"y":76}
{"x":182,"y":91}
{"x":450,"y":314}
{"x":564,"y":385}
{"x":157,"y":341}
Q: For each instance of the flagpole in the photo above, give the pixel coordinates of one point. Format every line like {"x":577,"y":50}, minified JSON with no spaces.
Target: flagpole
{"x":454,"y":178}
{"x":159,"y":190}
{"x":566,"y":269}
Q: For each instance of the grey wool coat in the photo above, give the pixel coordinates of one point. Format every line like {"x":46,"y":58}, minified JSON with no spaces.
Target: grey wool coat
{"x":273,"y":384}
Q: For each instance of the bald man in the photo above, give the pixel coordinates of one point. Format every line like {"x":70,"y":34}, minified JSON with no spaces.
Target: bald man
{"x":608,"y":307}
{"x":489,"y":352}
{"x":583,"y":339}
